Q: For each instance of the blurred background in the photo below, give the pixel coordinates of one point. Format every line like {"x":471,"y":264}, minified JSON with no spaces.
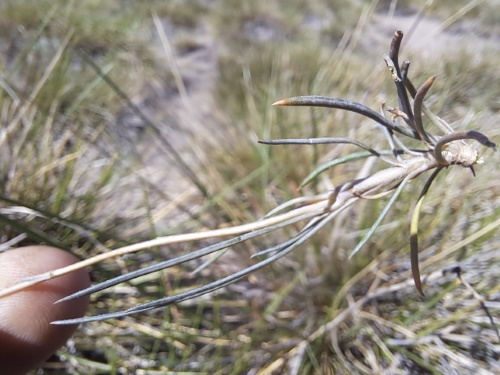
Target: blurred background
{"x":126,"y":120}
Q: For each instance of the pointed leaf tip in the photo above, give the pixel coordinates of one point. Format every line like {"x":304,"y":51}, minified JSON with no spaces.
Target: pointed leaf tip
{"x":281,"y":102}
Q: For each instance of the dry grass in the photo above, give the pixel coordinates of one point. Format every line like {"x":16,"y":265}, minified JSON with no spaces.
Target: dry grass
{"x":315,"y":311}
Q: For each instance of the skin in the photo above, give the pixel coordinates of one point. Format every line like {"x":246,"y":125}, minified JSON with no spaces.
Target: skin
{"x":27,"y":338}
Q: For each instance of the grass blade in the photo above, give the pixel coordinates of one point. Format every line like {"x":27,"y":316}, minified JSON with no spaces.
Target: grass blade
{"x":382,"y":215}
{"x":323,"y":167}
{"x":347,"y":105}
{"x":414,"y":233}
{"x":210,"y":287}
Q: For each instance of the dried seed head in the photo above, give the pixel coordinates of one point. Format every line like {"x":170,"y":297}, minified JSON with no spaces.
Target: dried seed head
{"x":460,"y":153}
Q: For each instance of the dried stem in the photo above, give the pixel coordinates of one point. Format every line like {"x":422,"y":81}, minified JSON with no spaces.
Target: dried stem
{"x":404,"y":102}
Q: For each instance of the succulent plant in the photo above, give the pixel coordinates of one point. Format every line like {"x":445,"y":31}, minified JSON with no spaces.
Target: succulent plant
{"x":405,"y":164}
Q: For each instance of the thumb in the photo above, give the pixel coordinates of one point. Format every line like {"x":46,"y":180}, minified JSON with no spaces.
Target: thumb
{"x":27,"y":338}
